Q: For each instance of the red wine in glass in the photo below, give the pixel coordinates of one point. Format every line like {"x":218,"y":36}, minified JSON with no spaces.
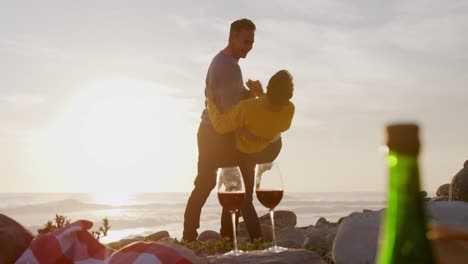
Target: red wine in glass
{"x":231,"y":201}
{"x":269,"y":198}
{"x":269,"y":190}
{"x":231,"y":194}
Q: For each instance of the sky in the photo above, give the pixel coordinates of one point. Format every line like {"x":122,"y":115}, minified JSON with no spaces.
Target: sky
{"x":107,"y":95}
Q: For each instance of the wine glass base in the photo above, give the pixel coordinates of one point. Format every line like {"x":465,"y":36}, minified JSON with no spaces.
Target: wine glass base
{"x":235,"y":253}
{"x":275,"y":249}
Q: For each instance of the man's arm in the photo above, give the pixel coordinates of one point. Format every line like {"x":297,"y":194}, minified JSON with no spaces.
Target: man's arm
{"x":226,"y":82}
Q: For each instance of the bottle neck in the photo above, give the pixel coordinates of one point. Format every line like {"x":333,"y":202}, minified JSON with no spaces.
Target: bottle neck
{"x":404,"y":185}
{"x":404,"y":199}
{"x":405,"y":227}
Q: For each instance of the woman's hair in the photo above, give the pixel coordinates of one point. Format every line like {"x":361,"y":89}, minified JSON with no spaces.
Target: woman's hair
{"x":280,"y":88}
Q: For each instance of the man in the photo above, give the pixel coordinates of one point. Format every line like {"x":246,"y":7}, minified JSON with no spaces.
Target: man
{"x":224,"y":78}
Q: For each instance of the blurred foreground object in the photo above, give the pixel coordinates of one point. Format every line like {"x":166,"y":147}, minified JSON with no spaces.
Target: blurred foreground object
{"x":403,"y":235}
{"x":450,"y":244}
{"x":14,"y":239}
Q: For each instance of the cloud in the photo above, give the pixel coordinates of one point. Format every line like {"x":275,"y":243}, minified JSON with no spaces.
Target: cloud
{"x":31,"y":45}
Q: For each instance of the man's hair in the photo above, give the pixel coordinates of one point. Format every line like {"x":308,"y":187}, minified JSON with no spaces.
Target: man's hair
{"x":279,"y":89}
{"x":240,"y":24}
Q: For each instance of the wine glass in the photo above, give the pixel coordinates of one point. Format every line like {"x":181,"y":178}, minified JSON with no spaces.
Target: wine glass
{"x":269,"y":190}
{"x":231,"y":194}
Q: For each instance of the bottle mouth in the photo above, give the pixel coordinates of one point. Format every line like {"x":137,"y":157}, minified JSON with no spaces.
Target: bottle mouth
{"x":403,"y":138}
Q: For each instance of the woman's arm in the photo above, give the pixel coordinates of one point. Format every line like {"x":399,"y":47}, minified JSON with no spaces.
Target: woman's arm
{"x":291,"y":111}
{"x":229,"y":121}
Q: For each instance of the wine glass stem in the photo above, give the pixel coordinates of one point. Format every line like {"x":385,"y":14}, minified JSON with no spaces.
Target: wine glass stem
{"x":272,"y":216}
{"x":234,"y":235}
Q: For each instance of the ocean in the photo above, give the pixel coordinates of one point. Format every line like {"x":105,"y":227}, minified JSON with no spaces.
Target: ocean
{"x":134,"y":214}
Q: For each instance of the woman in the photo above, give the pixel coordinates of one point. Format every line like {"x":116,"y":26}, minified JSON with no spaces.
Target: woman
{"x":258,"y":122}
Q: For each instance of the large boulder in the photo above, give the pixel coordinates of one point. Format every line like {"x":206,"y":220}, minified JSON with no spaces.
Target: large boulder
{"x":320,"y":239}
{"x":282,"y":219}
{"x":292,"y":256}
{"x":449,"y":213}
{"x":14,"y":239}
{"x":290,"y":237}
{"x":357,"y":237}
{"x":208,"y":235}
{"x":458,"y":190}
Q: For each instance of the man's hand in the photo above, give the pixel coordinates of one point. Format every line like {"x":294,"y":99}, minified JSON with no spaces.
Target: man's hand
{"x":255,"y":87}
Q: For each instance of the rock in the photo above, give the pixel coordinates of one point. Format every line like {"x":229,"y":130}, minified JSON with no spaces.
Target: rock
{"x":304,"y":227}
{"x":242,"y":239}
{"x":423,"y":194}
{"x":439,"y":198}
{"x":458,"y":190}
{"x":294,"y":236}
{"x":443,"y":190}
{"x":356,"y":239}
{"x":288,"y":244}
{"x":311,"y":229}
{"x":328,"y":257}
{"x":291,"y":256}
{"x":127,"y":241}
{"x":158,"y":235}
{"x":139,"y":238}
{"x":167,"y":240}
{"x":267,"y":233}
{"x":322,"y":222}
{"x":341,"y":220}
{"x":14,"y":239}
{"x":209,"y":235}
{"x":449,"y":213}
{"x":282,"y":219}
{"x":319,"y":238}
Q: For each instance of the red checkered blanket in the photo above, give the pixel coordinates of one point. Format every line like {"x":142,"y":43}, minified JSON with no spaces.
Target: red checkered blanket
{"x":74,"y":244}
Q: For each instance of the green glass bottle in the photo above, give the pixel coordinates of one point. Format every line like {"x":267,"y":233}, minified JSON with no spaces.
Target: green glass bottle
{"x":403,"y":236}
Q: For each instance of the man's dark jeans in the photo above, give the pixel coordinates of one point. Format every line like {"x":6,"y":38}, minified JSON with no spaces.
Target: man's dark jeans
{"x":216,"y":151}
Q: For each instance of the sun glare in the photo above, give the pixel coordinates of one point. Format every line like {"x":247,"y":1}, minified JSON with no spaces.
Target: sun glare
{"x":113,"y":198}
{"x":119,"y":133}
